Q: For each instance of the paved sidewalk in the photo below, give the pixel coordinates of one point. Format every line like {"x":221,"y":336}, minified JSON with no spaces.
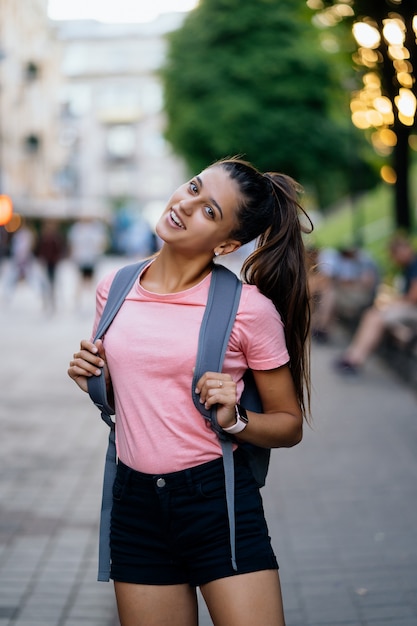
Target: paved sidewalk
{"x":53,"y":445}
{"x":342,"y":506}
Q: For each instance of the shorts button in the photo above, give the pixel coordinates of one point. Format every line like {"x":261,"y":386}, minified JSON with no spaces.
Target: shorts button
{"x":161,"y":482}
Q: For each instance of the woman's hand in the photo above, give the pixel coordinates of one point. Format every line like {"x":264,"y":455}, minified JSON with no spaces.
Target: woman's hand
{"x":87,"y":362}
{"x":220,"y":389}
{"x":281,"y":423}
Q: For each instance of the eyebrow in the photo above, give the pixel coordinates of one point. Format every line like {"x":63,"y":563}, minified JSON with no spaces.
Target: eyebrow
{"x":216,"y":204}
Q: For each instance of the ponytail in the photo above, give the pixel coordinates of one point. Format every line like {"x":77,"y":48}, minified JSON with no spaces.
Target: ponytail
{"x":270,"y":213}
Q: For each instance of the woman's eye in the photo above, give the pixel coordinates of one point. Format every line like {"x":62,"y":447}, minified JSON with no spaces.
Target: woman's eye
{"x":193,"y":187}
{"x":210,"y":212}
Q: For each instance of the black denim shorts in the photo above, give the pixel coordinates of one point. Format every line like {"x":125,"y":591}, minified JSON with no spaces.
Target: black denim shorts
{"x":173,"y":528}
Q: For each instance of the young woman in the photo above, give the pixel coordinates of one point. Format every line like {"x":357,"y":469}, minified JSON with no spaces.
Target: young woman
{"x":169,"y":529}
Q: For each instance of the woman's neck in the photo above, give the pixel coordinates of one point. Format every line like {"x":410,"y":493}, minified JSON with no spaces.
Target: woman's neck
{"x":168,"y":274}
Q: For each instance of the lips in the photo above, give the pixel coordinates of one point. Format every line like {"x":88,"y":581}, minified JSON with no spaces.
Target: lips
{"x":175,"y":219}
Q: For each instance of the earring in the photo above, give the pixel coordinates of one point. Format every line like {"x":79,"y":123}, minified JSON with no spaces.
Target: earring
{"x":216,"y":253}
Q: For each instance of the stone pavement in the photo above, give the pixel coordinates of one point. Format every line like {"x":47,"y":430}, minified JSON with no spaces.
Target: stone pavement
{"x":341,"y":506}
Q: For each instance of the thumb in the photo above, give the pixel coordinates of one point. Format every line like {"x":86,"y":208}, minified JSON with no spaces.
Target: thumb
{"x":100,"y":348}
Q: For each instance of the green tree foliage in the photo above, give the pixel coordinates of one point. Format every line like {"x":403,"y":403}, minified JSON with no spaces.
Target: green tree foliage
{"x":251,"y":78}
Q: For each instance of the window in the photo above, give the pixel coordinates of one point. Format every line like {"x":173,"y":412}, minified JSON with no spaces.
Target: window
{"x":32,"y":144}
{"x":31,"y":71}
{"x":120,"y":141}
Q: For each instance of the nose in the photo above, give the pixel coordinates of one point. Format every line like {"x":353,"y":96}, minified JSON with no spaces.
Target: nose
{"x":186,"y":206}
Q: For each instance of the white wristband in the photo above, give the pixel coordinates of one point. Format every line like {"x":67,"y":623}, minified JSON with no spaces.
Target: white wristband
{"x":241,"y":421}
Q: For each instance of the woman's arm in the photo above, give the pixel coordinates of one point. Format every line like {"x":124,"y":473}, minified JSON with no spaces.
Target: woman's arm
{"x":281,"y":424}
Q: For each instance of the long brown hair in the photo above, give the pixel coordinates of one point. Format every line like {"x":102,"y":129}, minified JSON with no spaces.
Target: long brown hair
{"x":270,"y":213}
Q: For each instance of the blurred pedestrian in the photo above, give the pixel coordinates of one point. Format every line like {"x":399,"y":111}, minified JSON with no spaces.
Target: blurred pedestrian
{"x":172,"y":535}
{"x":22,"y":266}
{"x":386,"y":312}
{"x":88,"y":240}
{"x":4,"y":248}
{"x":50,"y":249}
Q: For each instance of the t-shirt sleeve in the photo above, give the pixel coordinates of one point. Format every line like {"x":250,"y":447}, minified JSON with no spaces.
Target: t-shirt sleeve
{"x":261,"y":331}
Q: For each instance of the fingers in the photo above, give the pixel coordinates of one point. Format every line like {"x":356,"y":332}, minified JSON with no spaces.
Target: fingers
{"x":87,"y":361}
{"x":216,"y":388}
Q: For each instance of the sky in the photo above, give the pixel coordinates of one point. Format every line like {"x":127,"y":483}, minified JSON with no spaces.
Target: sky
{"x":115,"y":10}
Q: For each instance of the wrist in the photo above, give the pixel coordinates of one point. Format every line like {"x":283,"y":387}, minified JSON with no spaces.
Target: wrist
{"x":240,"y":423}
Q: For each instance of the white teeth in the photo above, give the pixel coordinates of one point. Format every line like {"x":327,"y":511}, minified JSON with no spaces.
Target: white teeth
{"x":176,"y":219}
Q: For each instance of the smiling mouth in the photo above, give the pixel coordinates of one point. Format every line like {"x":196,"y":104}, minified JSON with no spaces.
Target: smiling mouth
{"x":174,"y":217}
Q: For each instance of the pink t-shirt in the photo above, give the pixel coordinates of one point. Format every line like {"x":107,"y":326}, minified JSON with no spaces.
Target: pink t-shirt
{"x":151,"y":349}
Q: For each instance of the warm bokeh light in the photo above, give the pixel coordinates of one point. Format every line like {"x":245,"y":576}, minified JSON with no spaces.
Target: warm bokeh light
{"x":388,"y":137}
{"x":412,"y":142}
{"x":14,"y":224}
{"x":366,"y":35}
{"x":6,"y":209}
{"x":405,"y":79}
{"x":383,"y":141}
{"x":388,"y":175}
{"x":360,"y":120}
{"x":331,"y":15}
{"x":406,"y":103}
{"x":394,"y":32}
{"x":371,"y":79}
{"x":383,"y":104}
{"x":398,"y":53}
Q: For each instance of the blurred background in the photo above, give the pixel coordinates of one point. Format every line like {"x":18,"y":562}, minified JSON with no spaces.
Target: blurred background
{"x":105,"y":108}
{"x":103,"y":119}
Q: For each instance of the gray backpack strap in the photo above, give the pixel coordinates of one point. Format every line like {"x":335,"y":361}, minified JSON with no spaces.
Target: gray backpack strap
{"x":120,"y":287}
{"x":123,"y":282}
{"x":110,"y":467}
{"x":219,"y":317}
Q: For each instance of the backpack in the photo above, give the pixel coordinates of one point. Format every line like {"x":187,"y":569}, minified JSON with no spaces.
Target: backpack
{"x":219,"y":316}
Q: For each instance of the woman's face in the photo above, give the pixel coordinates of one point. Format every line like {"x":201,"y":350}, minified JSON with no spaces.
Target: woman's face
{"x":201,"y":213}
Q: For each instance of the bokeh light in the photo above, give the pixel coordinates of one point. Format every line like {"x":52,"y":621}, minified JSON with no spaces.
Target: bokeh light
{"x":6,"y":209}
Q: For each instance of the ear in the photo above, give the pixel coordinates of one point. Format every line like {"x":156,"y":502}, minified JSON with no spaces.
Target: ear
{"x":228,"y":246}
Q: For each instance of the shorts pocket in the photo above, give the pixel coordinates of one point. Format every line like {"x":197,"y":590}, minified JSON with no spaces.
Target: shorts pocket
{"x":215,"y":487}
{"x":211,"y":488}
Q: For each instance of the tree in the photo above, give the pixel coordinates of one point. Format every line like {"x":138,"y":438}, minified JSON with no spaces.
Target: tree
{"x":386,"y":53}
{"x":251,"y":78}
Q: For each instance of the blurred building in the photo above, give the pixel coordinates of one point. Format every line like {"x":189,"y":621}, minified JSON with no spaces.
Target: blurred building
{"x":81,"y":120}
{"x":112,"y":118}
{"x":30,"y":154}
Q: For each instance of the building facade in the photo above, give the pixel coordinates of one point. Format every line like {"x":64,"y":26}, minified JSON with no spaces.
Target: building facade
{"x":81,"y":115}
{"x":112,"y":117}
{"x":31,"y":155}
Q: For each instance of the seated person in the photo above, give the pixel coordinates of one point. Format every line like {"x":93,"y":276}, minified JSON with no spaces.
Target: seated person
{"x":385,"y":312}
{"x":342,"y":284}
{"x":356,"y":278}
{"x":320,"y":278}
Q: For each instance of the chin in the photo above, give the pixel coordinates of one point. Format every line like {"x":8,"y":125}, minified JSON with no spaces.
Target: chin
{"x":159,"y":228}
